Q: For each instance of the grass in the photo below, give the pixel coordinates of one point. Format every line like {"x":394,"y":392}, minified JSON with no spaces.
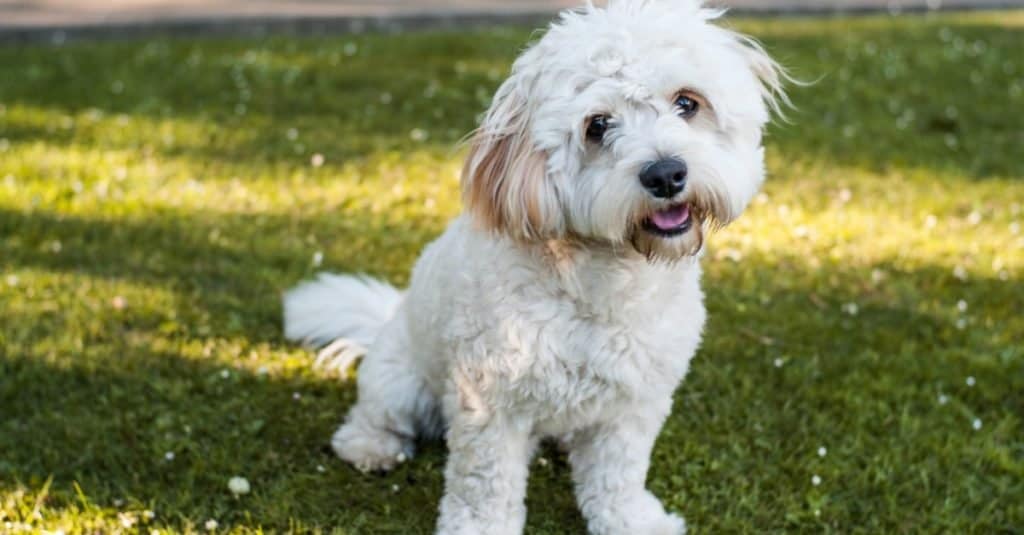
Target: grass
{"x":156,"y":197}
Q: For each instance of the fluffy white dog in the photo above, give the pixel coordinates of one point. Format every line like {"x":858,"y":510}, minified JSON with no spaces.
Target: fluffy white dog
{"x":566,"y":302}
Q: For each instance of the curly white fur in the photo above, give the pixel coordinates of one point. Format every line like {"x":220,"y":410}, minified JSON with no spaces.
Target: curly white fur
{"x":551,"y":309}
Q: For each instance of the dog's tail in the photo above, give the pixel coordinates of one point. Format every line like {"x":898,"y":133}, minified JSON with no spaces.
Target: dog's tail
{"x":342,"y":312}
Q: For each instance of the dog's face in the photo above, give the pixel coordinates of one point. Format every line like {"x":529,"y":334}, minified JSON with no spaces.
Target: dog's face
{"x":637,"y":125}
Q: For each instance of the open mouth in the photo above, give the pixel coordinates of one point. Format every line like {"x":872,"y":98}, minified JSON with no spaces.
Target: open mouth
{"x":672,"y":221}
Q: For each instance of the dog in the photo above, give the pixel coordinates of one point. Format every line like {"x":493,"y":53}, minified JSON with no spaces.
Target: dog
{"x":565,"y":302}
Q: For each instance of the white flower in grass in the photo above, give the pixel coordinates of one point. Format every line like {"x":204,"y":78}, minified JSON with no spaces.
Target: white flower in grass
{"x":976,"y":424}
{"x":296,"y":396}
{"x":148,"y":515}
{"x":292,"y":134}
{"x":778,"y":363}
{"x":822,"y":451}
{"x":970,"y":380}
{"x":961,"y":324}
{"x":851,"y":309}
{"x":943,"y":399}
{"x":317,"y":160}
{"x":239,"y":485}
{"x":961,"y":306}
{"x":211,"y":525}
{"x":960,"y":273}
{"x":816,"y":480}
{"x":418,"y":135}
{"x":169,"y":456}
{"x":318,"y":258}
{"x":930,"y":221}
{"x":974,"y":218}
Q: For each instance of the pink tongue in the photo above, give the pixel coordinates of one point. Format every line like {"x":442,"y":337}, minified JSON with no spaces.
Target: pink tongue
{"x":672,"y":218}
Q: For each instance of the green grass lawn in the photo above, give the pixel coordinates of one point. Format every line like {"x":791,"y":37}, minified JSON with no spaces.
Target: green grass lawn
{"x":863,"y":369}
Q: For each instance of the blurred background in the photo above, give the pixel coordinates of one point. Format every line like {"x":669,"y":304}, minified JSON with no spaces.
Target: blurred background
{"x":33,"y":17}
{"x":168,"y":168}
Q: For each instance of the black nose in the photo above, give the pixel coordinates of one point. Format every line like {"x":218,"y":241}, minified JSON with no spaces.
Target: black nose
{"x":665,"y":178}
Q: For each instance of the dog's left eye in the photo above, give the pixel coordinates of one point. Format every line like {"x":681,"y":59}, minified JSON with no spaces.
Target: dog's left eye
{"x":596,"y":128}
{"x":687,"y":104}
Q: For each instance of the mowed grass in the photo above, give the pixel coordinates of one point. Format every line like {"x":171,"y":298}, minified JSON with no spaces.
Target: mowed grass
{"x":863,"y":370}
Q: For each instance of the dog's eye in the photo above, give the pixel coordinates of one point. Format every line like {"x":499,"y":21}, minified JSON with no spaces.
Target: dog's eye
{"x":687,"y":104}
{"x":596,"y":128}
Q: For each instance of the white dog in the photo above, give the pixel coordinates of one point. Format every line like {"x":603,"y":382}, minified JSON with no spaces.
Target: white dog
{"x":566,"y":302}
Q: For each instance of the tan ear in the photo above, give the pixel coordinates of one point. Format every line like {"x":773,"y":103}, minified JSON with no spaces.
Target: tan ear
{"x":504,"y":181}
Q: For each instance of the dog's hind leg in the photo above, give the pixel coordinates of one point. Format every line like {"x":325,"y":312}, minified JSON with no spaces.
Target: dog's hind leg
{"x":394,"y":405}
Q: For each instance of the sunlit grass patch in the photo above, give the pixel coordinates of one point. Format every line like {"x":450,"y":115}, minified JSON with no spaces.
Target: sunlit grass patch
{"x":156,"y":198}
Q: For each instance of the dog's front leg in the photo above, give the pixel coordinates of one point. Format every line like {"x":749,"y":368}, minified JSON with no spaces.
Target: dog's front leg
{"x":485,"y":479}
{"x":609,"y":464}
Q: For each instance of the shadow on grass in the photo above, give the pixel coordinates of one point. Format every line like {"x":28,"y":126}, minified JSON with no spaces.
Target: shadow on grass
{"x":226,"y":271}
{"x":246,"y":95}
{"x":878,"y":100}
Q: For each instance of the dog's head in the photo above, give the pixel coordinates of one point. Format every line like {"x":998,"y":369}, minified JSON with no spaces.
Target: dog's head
{"x":637,"y":124}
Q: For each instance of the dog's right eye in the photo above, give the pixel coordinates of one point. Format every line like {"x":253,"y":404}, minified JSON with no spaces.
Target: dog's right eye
{"x":596,"y":128}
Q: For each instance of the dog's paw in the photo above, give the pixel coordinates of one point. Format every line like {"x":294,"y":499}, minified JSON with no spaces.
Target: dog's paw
{"x":370,"y":449}
{"x":668,"y":524}
{"x":642,"y":515}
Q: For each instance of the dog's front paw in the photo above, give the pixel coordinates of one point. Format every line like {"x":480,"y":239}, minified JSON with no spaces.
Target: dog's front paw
{"x":667,"y":524}
{"x":370,"y":449}
{"x":641,"y":515}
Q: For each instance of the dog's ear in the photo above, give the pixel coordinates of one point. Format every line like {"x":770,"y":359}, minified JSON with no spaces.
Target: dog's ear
{"x":772,"y":76}
{"x":504,"y":181}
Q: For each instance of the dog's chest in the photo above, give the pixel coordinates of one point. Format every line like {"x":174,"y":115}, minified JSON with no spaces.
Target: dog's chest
{"x":578,"y":362}
{"x":561,"y":350}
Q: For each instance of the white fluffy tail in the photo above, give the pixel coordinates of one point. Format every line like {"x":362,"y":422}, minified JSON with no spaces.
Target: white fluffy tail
{"x":342,"y":312}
